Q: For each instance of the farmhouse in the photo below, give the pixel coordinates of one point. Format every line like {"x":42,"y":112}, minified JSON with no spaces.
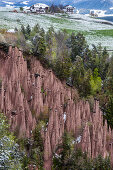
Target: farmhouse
{"x":97,"y":13}
{"x":39,"y":8}
{"x":69,"y":9}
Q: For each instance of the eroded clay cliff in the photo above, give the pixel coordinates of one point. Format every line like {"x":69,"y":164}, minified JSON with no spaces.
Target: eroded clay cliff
{"x":25,"y":93}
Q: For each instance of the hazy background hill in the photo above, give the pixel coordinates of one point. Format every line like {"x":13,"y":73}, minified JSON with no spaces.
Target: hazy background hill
{"x":84,"y":4}
{"x":94,"y":4}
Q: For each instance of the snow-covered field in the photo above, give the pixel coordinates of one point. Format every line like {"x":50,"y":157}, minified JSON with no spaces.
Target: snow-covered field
{"x":76,"y":22}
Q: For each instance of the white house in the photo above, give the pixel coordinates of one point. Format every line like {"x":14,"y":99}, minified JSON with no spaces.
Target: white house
{"x":39,"y":8}
{"x":69,"y":9}
{"x":97,"y":13}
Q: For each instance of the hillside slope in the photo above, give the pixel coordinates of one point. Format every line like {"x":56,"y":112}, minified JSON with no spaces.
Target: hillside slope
{"x":28,"y":90}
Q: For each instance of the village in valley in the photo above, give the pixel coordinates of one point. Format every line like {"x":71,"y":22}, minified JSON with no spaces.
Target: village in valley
{"x":41,"y":8}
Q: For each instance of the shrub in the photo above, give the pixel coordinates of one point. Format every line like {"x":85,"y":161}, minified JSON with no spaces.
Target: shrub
{"x":10,"y":155}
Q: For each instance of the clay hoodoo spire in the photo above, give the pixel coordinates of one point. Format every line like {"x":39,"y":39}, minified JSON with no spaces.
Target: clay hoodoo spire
{"x":25,"y":93}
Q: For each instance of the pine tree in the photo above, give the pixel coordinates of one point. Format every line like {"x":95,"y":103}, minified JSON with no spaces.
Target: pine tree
{"x":78,"y":45}
{"x":23,"y":30}
{"x":28,"y":30}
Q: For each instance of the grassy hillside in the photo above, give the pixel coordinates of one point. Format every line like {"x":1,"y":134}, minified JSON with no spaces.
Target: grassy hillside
{"x":94,"y":31}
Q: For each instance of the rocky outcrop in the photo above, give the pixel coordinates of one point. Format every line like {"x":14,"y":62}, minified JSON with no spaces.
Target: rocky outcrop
{"x":27,"y":93}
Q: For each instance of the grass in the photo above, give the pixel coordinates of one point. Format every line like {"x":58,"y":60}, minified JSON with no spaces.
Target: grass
{"x":70,"y":31}
{"x":58,"y":20}
{"x":103,"y":33}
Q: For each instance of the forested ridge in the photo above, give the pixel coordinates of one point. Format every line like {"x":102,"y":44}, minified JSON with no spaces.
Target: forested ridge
{"x":88,"y":70}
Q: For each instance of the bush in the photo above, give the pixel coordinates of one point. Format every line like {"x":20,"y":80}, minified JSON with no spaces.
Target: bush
{"x":10,"y":155}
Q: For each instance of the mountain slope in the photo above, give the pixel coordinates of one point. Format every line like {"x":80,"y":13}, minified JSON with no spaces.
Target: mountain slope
{"x":86,"y":4}
{"x":97,"y":4}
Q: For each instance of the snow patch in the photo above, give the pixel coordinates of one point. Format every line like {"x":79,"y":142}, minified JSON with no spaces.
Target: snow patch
{"x":40,"y":5}
{"x":25,"y":2}
{"x":73,"y":142}
{"x":64,"y":117}
{"x":57,"y":156}
{"x":9,"y":6}
{"x":11,"y":31}
{"x":78,"y":139}
{"x":10,"y":3}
